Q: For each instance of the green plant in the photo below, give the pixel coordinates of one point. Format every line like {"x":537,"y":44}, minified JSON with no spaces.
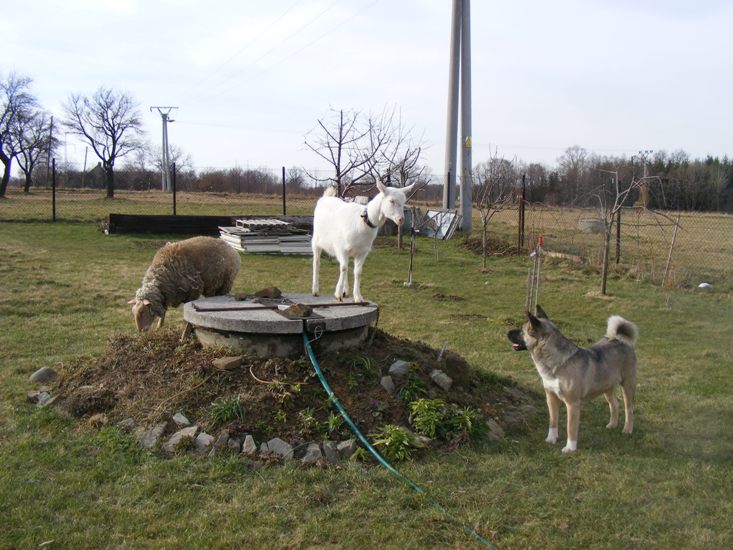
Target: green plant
{"x":430,"y":417}
{"x":334,"y":423}
{"x":467,"y":420}
{"x":308,"y":420}
{"x":413,"y":388}
{"x":226,"y":409}
{"x":281,"y":417}
{"x":394,"y":442}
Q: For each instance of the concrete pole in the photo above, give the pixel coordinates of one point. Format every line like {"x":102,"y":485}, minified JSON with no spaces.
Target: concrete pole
{"x":451,"y":135}
{"x":165,"y":177}
{"x":466,"y":150}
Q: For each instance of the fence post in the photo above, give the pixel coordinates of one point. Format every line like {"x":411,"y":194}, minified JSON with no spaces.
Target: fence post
{"x":618,"y":236}
{"x":173,"y":184}
{"x":284,"y":203}
{"x":520,"y":222}
{"x":53,"y":190}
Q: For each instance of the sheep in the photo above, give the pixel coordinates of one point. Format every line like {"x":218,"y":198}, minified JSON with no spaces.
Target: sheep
{"x":347,"y":230}
{"x":181,"y":272}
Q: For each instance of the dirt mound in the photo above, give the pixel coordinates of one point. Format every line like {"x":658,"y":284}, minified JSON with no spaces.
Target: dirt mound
{"x":495,"y":247}
{"x":153,"y":376}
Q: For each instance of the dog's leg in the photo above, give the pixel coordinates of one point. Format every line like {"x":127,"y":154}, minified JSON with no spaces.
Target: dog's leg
{"x":573,"y":410}
{"x":613,"y":405}
{"x":553,"y":407}
{"x":628,"y":387}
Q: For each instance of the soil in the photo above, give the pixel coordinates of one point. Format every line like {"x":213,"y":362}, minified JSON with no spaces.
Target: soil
{"x":495,"y":247}
{"x":152,"y":376}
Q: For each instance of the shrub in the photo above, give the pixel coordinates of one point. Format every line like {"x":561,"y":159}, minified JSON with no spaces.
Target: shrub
{"x":394,"y":442}
{"x":430,"y":417}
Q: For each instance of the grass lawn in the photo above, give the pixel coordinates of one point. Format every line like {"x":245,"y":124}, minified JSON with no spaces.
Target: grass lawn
{"x":64,"y":292}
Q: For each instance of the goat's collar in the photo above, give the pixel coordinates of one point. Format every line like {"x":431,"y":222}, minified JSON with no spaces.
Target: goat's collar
{"x":365,"y":217}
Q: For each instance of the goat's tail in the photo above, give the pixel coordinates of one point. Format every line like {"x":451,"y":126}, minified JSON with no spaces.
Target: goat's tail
{"x":330,"y":192}
{"x":621,"y":329}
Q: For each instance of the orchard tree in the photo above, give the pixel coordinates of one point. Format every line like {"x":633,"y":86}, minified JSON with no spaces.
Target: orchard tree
{"x":16,"y":106}
{"x":109,"y":121}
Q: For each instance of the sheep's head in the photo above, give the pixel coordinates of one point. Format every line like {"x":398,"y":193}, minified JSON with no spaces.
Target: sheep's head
{"x":142,"y":313}
{"x":394,"y":201}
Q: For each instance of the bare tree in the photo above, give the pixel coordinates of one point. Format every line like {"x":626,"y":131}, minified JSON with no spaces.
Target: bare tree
{"x":35,"y":142}
{"x":610,"y":200}
{"x":573,"y":168}
{"x":17,"y":105}
{"x":350,"y":144}
{"x":493,"y":192}
{"x":110,"y":122}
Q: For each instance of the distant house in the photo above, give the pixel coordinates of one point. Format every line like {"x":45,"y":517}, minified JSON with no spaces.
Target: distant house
{"x":94,"y":178}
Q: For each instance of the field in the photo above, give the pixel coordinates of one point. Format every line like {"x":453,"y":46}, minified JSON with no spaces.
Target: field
{"x":670,"y":484}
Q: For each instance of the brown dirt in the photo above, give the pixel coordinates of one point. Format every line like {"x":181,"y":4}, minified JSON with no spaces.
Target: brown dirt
{"x":152,"y":376}
{"x":496,"y":247}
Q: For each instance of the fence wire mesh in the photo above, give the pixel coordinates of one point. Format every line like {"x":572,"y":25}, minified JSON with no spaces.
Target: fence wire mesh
{"x":680,"y":249}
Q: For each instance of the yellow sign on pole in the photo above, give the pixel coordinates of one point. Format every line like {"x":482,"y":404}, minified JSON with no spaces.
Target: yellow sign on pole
{"x":467,"y":142}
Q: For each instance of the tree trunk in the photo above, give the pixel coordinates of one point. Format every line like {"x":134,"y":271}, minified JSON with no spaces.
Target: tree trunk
{"x":109,"y":177}
{"x":28,"y":182}
{"x":7,"y":161}
{"x":484,"y":243}
{"x":606,"y":249}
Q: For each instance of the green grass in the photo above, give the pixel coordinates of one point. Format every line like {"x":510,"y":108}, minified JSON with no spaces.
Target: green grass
{"x":64,"y":291}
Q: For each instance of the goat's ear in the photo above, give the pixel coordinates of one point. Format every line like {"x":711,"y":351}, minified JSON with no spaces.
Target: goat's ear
{"x":380,"y":185}
{"x":408,"y":189}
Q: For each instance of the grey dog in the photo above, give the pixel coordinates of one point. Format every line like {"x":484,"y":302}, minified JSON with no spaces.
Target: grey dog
{"x":572,"y":374}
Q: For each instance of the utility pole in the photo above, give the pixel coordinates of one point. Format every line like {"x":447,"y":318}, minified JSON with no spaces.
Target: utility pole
{"x":644,"y":188}
{"x":166,"y":186}
{"x":460,"y":64}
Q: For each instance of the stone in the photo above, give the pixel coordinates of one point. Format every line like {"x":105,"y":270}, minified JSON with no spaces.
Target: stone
{"x":330,"y":451}
{"x":496,"y":432}
{"x":249,"y":447}
{"x":43,"y":375}
{"x":44,"y":398}
{"x":387,"y":383}
{"x":297,"y":311}
{"x":180,"y":420}
{"x":271,"y":292}
{"x":127,"y":424}
{"x":312,"y":455}
{"x":279,"y":447}
{"x":150,"y":437}
{"x":32,"y":396}
{"x":220,"y":443}
{"x":235,"y":444}
{"x":204,"y":442}
{"x":441,"y":379}
{"x":179,"y":438}
{"x":399,"y":369}
{"x":347,"y":448}
{"x":228,"y":363}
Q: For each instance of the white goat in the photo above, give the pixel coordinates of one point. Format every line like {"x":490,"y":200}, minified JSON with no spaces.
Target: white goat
{"x":347,"y":230}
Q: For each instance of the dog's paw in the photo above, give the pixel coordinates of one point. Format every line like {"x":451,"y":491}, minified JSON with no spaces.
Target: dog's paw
{"x":612,"y":425}
{"x":570,"y":447}
{"x":552,"y":436}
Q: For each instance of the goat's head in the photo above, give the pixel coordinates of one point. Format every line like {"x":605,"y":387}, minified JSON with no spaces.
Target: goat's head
{"x":394,"y":201}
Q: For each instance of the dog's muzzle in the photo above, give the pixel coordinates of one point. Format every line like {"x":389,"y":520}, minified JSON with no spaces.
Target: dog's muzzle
{"x":517,"y":339}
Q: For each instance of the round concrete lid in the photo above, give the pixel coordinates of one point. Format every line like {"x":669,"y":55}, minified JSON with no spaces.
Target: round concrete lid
{"x":226,"y":313}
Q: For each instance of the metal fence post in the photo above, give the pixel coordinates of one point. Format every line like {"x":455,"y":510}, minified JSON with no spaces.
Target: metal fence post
{"x":618,"y":236}
{"x":284,"y":203}
{"x":173,"y":184}
{"x":53,"y":191}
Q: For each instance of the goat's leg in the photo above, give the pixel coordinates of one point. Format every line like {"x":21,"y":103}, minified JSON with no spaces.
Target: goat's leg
{"x":343,"y":261}
{"x":358,"y":267}
{"x":316,"y":269}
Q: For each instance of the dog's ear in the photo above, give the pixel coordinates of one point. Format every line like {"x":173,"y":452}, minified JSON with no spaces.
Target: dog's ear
{"x":534,"y":321}
{"x":541,"y":313}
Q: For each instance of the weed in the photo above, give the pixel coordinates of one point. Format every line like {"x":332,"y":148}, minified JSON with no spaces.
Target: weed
{"x":226,"y":409}
{"x":308,"y":420}
{"x":281,"y":417}
{"x":394,"y":442}
{"x":334,"y":423}
{"x":413,"y":388}
{"x":430,"y":417}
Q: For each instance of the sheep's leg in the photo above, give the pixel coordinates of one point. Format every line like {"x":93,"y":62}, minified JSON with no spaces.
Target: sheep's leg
{"x":316,"y":269}
{"x":161,"y":319}
{"x":343,"y":269}
{"x":358,"y":267}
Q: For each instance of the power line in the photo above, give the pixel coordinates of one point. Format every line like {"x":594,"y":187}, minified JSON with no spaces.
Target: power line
{"x":241,"y":50}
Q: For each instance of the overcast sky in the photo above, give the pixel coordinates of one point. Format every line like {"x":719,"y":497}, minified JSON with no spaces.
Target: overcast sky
{"x":251,"y":78}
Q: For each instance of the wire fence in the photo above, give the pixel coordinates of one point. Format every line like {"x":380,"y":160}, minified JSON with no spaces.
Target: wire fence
{"x":680,"y":249}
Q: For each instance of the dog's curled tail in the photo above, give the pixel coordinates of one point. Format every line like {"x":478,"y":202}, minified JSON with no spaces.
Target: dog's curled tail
{"x":329,"y":191}
{"x":621,"y":329}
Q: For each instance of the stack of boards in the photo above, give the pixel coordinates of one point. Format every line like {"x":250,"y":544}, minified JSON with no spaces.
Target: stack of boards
{"x":266,"y":236}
